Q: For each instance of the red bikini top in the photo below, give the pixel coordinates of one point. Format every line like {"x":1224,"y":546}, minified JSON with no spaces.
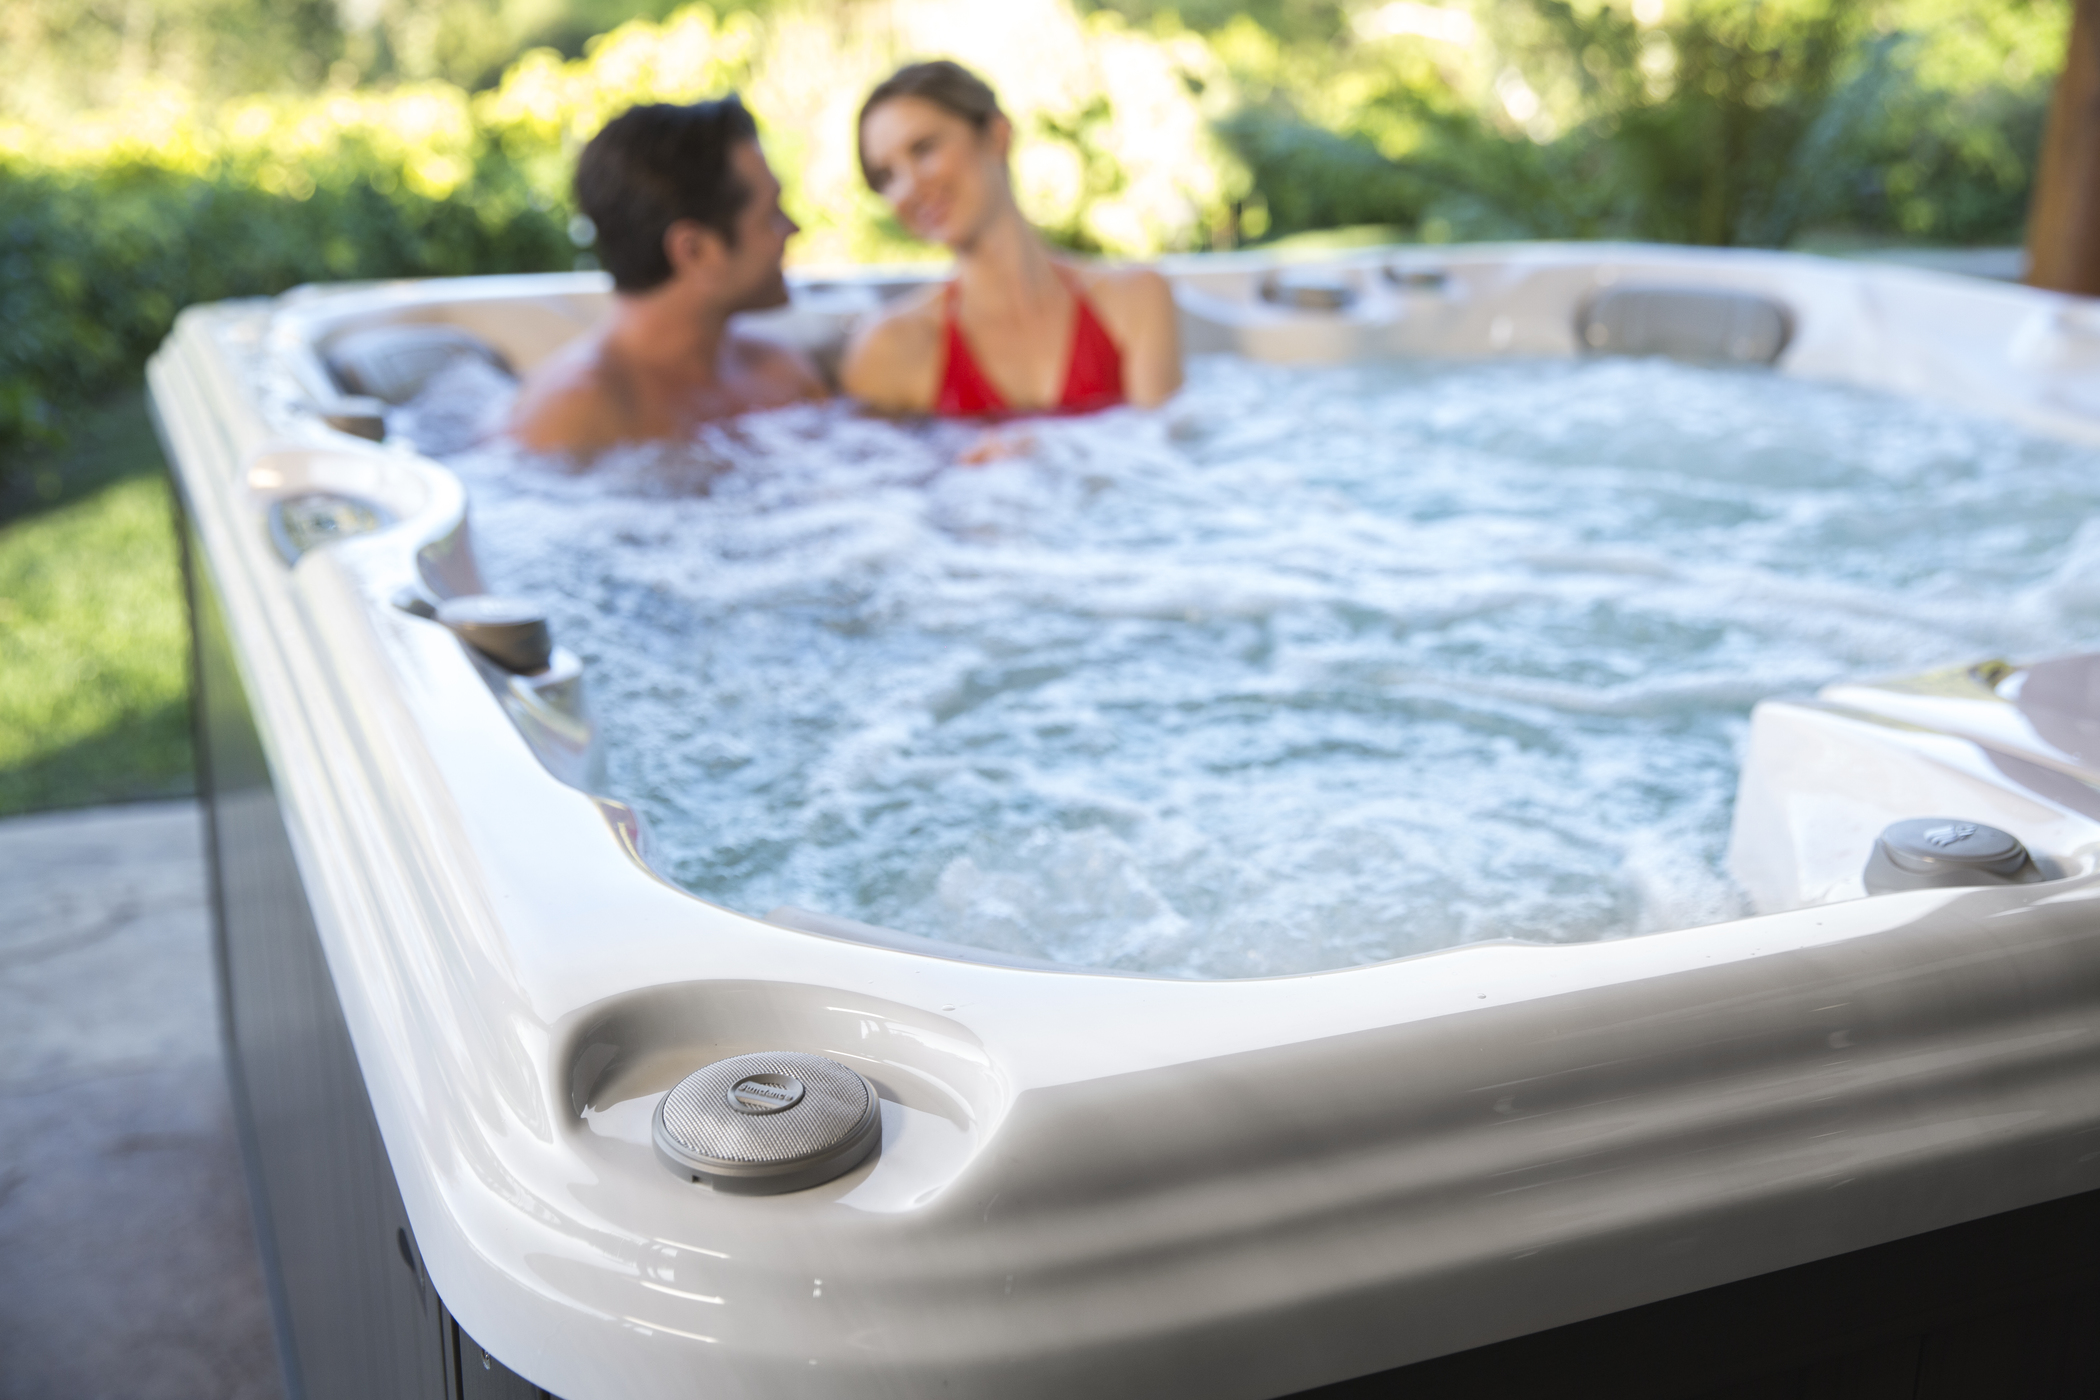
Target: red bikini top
{"x":1093,"y":374}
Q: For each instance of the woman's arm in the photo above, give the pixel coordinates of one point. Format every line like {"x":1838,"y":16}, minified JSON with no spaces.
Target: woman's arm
{"x":1137,"y":309}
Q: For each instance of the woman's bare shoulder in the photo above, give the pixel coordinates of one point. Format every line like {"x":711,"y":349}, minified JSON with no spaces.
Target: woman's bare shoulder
{"x":1136,"y":306}
{"x":892,"y":361}
{"x":1133,"y":302}
{"x":1136,"y":287}
{"x":913,"y":313}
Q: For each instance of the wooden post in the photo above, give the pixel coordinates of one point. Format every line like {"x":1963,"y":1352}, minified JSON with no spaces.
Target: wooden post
{"x":2063,"y":224}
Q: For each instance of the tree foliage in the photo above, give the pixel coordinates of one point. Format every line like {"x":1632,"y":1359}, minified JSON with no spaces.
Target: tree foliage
{"x":162,"y":152}
{"x":1747,"y":122}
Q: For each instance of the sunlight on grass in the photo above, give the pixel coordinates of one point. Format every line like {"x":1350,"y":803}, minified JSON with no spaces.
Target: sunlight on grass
{"x":93,"y":683}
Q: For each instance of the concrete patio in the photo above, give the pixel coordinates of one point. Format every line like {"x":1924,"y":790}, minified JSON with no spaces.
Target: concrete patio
{"x":127,"y":1260}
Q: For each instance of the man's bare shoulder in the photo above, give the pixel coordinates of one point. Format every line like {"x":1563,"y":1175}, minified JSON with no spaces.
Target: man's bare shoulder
{"x":892,"y":362}
{"x":778,"y":372}
{"x":565,"y":405}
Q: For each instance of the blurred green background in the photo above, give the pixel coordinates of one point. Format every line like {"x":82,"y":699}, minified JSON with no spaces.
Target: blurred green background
{"x":155,"y":153}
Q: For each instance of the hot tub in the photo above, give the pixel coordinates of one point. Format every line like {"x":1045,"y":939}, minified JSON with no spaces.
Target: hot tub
{"x":1847,"y":1137}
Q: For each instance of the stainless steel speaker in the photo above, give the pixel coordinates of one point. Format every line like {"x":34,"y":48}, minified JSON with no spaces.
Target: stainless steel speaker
{"x":762,"y":1124}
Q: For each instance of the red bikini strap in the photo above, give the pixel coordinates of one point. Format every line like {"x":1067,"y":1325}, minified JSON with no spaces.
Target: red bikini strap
{"x":1094,"y":372}
{"x":964,"y":391}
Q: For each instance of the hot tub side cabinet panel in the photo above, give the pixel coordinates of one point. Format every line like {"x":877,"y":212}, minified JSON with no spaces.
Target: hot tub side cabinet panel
{"x":2007,"y":1306}
{"x":356,"y":1316}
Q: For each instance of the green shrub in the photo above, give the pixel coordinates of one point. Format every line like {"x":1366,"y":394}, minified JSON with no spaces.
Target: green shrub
{"x":94,"y":264}
{"x":1312,"y":178}
{"x":1747,"y":122}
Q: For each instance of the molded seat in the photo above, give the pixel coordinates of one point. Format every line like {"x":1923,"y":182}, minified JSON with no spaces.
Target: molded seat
{"x":392,"y":363}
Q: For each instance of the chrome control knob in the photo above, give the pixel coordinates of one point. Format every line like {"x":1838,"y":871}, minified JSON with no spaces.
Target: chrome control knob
{"x":508,"y":631}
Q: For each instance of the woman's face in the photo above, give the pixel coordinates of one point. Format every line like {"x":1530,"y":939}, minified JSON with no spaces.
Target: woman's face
{"x":944,"y":177}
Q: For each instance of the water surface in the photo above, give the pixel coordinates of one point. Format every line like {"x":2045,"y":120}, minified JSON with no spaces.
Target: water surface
{"x":1312,"y":668}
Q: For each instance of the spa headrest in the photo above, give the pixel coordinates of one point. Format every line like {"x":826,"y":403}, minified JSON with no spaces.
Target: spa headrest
{"x":1701,"y":324}
{"x":393,"y":363}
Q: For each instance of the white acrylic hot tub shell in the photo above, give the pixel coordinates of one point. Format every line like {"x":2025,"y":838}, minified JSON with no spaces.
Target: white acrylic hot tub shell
{"x":1108,"y":1185}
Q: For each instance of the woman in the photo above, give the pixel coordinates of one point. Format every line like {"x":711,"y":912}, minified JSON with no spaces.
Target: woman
{"x":1016,"y":331}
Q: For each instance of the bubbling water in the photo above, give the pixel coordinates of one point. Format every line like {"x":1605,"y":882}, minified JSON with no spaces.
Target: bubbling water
{"x":1314,"y":667}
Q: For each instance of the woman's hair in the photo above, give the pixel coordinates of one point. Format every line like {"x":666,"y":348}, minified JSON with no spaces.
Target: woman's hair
{"x":946,"y":84}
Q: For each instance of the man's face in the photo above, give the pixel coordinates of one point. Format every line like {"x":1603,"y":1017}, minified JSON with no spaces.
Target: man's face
{"x":751,"y":275}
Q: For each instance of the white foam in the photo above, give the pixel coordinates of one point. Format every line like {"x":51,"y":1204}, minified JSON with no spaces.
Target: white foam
{"x":1309,"y":668}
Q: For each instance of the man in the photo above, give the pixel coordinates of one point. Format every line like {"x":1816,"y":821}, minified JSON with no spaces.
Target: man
{"x":690,"y":226}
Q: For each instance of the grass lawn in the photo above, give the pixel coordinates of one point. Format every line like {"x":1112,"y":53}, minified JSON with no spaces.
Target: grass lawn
{"x":94,"y":683}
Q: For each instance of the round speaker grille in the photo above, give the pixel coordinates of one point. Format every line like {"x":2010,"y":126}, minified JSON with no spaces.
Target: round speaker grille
{"x":769,"y":1122}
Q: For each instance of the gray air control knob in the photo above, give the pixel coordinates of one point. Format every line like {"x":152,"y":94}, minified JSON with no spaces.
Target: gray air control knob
{"x":508,"y":631}
{"x":762,"y":1124}
{"x":1940,"y":852}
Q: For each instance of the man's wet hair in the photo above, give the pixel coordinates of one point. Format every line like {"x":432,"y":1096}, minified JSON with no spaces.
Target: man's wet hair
{"x":653,"y":165}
